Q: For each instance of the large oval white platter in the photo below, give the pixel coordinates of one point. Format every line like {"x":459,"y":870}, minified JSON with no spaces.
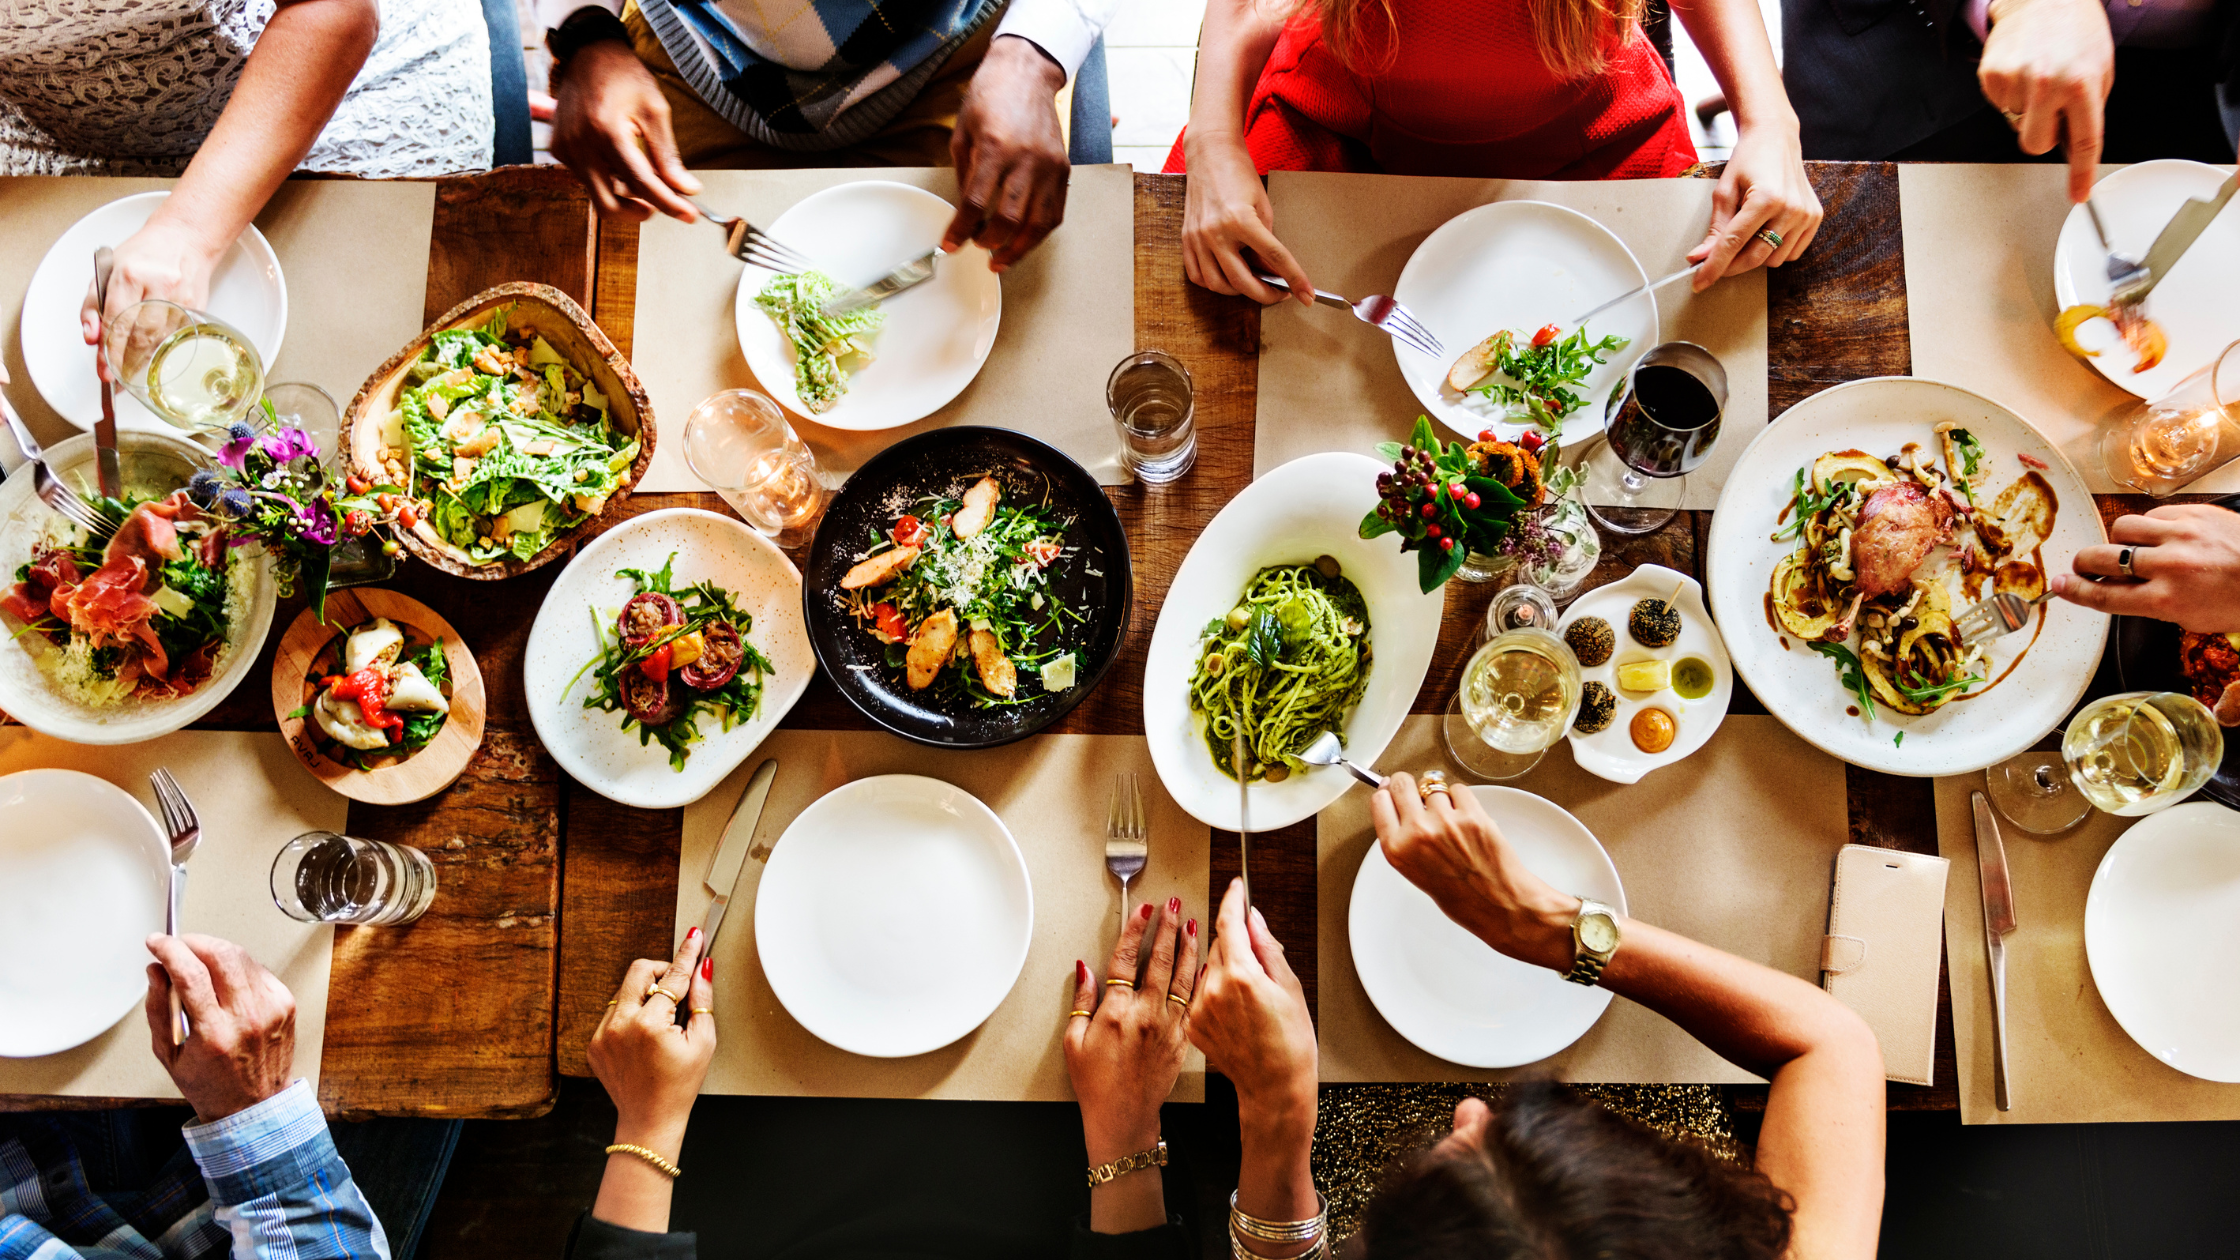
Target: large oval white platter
{"x":1307,"y":508}
{"x":2193,"y":304}
{"x":2161,"y":928}
{"x":1800,"y":686}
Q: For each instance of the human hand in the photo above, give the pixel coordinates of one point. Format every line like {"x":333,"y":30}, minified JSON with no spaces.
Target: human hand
{"x":1250,"y":1017}
{"x":164,"y":259}
{"x":653,"y":1068}
{"x":1452,"y":849}
{"x":1764,"y":187}
{"x":1225,"y":213}
{"x":2048,"y":65}
{"x":243,"y":1046}
{"x":1010,"y":154}
{"x":1124,"y":1056}
{"x":2187,"y":560}
{"x":610,"y":125}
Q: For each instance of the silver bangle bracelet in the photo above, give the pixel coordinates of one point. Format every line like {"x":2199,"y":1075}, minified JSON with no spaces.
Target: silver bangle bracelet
{"x":1238,"y":1251}
{"x":1279,"y":1231}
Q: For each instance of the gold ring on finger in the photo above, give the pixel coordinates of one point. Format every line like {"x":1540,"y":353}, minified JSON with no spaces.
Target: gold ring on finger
{"x":656,"y":988}
{"x":703,"y":1010}
{"x":2014,"y":119}
{"x":1182,"y":1002}
{"x":1082,"y":1014}
{"x":1770,"y":237}
{"x":1129,"y":985}
{"x":1433,"y":781}
{"x":614,"y":1001}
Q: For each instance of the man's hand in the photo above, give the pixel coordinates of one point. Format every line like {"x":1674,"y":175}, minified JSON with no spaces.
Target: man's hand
{"x":2048,"y":65}
{"x":1010,"y":154}
{"x":2186,"y":559}
{"x":610,"y":125}
{"x":244,"y":1042}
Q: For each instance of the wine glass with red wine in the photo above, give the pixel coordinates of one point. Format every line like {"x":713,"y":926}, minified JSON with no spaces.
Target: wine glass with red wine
{"x":1662,"y":425}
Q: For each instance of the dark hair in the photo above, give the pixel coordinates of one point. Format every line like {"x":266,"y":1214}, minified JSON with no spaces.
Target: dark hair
{"x":1559,"y":1177}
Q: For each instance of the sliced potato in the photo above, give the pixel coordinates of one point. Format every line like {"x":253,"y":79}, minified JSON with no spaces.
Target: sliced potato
{"x":1476,"y":363}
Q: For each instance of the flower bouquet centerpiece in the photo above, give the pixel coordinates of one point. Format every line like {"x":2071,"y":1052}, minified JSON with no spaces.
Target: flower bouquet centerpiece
{"x":1451,"y":502}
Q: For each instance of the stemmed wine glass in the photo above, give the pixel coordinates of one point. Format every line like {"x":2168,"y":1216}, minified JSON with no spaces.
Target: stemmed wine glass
{"x":1519,"y":691}
{"x":2032,"y":790}
{"x":192,"y":370}
{"x":2142,"y":751}
{"x":2163,"y":446}
{"x":1662,"y":425}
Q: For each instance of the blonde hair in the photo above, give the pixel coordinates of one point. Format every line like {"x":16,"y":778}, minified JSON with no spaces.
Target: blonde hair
{"x":1574,"y":37}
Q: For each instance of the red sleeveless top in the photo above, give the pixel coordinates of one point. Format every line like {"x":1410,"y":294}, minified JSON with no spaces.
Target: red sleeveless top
{"x":1464,"y":93}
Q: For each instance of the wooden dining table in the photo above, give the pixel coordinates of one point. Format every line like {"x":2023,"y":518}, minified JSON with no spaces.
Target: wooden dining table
{"x":548,"y":891}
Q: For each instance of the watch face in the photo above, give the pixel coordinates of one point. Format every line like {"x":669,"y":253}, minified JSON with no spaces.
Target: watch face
{"x":1598,"y":933}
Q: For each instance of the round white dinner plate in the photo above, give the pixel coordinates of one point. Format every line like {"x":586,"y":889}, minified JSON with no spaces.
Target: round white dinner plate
{"x":2193,"y":304}
{"x":1800,"y":686}
{"x":84,"y":877}
{"x":1610,"y":752}
{"x":246,"y":291}
{"x":937,"y":334}
{"x":1519,"y":265}
{"x":590,"y":744}
{"x":2161,"y":928}
{"x":1307,"y":508}
{"x":1451,"y":994}
{"x":894,"y":916}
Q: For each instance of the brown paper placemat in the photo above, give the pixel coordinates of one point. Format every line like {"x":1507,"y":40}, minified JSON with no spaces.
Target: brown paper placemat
{"x":2070,"y":1062}
{"x":354,"y":255}
{"x":1330,"y":383}
{"x":1734,"y":846}
{"x":1068,"y":317}
{"x":252,"y":797}
{"x":1052,"y":792}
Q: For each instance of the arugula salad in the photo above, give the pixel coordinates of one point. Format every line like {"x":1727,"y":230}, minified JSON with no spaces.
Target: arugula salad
{"x":668,"y":656}
{"x":505,"y":442}
{"x":1535,"y":379}
{"x":821,"y":341}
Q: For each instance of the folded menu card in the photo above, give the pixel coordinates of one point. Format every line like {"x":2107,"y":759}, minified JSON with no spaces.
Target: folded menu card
{"x":1051,"y":792}
{"x":1731,"y":847}
{"x":252,"y":798}
{"x":2068,"y":1060}
{"x":1068,"y":317}
{"x":1331,"y":383}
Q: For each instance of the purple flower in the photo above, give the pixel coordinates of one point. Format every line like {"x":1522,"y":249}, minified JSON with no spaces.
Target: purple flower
{"x":290,"y":443}
{"x":203,"y":488}
{"x":236,"y":502}
{"x":239,"y":438}
{"x":318,"y":523}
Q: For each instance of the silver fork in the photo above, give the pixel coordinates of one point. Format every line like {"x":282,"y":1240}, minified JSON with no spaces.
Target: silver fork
{"x":50,"y":488}
{"x":1378,"y":311}
{"x":750,"y":244}
{"x":1127,"y":834}
{"x":185,"y":829}
{"x":2002,"y":614}
{"x":2123,"y":269}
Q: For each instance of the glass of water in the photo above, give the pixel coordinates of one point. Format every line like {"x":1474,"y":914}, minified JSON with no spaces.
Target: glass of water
{"x":1150,"y":399}
{"x":195,"y":372}
{"x":321,"y":877}
{"x":740,"y":444}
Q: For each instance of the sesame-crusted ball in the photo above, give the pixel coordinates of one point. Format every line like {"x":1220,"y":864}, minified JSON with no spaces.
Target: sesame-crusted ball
{"x":1654,"y":624}
{"x":1591,"y":640}
{"x":1596,"y":707}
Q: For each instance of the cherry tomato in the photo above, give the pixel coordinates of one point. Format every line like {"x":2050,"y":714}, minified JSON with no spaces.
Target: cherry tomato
{"x":908,"y":531}
{"x":889,"y":620}
{"x":356,"y":483}
{"x":1488,"y":435}
{"x":408,"y":516}
{"x":1546,"y":335}
{"x":656,"y":664}
{"x":1044,"y":550}
{"x":1532,"y":441}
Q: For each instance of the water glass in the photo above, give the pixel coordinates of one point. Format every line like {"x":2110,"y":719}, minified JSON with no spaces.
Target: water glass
{"x":1661,"y":426}
{"x":302,"y":405}
{"x":741,"y":445}
{"x":2161,"y":447}
{"x":2142,"y":751}
{"x":322,"y":877}
{"x":193,"y":371}
{"x":1149,"y":394}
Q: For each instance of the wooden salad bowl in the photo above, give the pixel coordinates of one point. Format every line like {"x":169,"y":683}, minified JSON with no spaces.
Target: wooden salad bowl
{"x":419,"y":776}
{"x":556,"y":317}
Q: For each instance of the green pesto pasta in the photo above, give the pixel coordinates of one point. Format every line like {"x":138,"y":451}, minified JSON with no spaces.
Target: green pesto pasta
{"x":1288,"y":663}
{"x":820,"y":341}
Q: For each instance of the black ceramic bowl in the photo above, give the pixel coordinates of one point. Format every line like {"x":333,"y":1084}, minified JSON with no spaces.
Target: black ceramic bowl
{"x":2146,"y":654}
{"x":1097,"y":580}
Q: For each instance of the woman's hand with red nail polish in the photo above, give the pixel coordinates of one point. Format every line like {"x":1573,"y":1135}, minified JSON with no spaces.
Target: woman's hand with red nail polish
{"x":1124,"y":1056}
{"x":652,"y":1066}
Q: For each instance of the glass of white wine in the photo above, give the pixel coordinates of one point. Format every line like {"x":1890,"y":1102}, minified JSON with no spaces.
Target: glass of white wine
{"x":2142,"y":751}
{"x":193,"y":371}
{"x":1519,"y":691}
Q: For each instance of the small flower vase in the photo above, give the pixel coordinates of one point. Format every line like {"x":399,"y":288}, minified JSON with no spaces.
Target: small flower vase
{"x":1577,"y":548}
{"x":1480,"y":567}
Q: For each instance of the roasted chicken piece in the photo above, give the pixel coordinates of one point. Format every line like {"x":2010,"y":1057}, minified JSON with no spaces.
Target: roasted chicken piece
{"x":879,"y":569}
{"x":997,"y":673}
{"x":931,"y":647}
{"x":1899,"y":525}
{"x":979,"y":508}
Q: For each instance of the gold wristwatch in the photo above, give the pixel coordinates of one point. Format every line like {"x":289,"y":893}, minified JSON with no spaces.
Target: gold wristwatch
{"x":1594,"y":941}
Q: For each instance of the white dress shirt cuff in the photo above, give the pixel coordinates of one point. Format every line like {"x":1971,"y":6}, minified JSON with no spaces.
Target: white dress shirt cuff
{"x":1062,"y":28}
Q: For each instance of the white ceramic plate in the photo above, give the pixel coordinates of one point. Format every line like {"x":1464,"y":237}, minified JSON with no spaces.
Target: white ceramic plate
{"x":2193,"y":305}
{"x":894,"y":916}
{"x":1448,"y":992}
{"x":590,"y":744}
{"x":1611,"y":752}
{"x":84,"y":876}
{"x":936,"y":336}
{"x":1519,"y":265}
{"x":2161,"y":928}
{"x":247,"y":291}
{"x":153,"y":463}
{"x":1800,"y":686}
{"x":1307,"y":508}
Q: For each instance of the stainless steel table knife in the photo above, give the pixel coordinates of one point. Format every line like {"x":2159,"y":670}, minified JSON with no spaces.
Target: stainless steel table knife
{"x":907,"y":276}
{"x":1241,"y":764}
{"x":111,"y":478}
{"x":1998,"y":920}
{"x":2177,"y":237}
{"x":731,"y":855}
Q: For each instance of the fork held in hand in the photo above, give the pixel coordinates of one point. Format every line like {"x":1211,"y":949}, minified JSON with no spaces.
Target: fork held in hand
{"x":184,"y":827}
{"x":1378,"y":311}
{"x":750,"y":244}
{"x":50,"y":488}
{"x":1127,"y":834}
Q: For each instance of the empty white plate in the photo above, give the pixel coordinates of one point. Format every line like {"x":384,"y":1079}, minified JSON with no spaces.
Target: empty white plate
{"x":2161,"y":928}
{"x":84,"y":875}
{"x":2193,"y":304}
{"x":1453,"y":995}
{"x":246,"y":291}
{"x":1519,"y":265}
{"x":936,"y":336}
{"x":894,"y":916}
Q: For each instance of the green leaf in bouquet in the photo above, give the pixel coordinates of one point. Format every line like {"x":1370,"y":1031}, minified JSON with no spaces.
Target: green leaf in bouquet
{"x":1376,"y":525}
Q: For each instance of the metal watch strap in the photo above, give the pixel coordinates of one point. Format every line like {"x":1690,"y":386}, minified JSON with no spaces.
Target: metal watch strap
{"x":1156,"y":1157}
{"x":1587,"y":969}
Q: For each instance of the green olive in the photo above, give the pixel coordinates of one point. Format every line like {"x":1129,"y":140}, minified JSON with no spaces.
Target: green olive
{"x":1240,"y":617}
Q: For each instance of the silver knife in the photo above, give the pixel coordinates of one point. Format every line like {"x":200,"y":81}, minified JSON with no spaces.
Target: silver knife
{"x":1634,"y":292}
{"x":2177,"y":237}
{"x":105,"y":429}
{"x":731,"y":855}
{"x":1998,"y":920}
{"x":1239,"y":763}
{"x":907,"y":276}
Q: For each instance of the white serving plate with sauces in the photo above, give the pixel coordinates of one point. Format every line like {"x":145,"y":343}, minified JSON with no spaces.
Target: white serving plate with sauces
{"x":1610,"y":752}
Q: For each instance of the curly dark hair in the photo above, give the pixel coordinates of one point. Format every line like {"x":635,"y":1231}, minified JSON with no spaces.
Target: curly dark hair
{"x":1559,"y":1177}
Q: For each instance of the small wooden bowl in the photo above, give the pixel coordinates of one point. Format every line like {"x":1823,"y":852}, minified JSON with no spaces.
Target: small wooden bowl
{"x":426,"y":772}
{"x":554,"y":316}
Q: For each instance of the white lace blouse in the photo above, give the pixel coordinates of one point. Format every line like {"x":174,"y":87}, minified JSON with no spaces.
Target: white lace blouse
{"x":131,"y":87}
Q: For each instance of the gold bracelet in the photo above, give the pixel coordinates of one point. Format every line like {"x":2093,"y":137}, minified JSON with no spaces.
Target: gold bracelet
{"x":1238,"y":1251}
{"x":1155,"y":1157}
{"x":652,"y":1157}
{"x":1278,"y":1231}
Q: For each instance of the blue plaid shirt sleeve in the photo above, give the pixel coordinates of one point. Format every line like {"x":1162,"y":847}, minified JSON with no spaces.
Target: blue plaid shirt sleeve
{"x":278,"y":1185}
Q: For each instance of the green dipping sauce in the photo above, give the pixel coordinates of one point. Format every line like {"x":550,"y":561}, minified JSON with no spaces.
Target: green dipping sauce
{"x":1692,"y":678}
